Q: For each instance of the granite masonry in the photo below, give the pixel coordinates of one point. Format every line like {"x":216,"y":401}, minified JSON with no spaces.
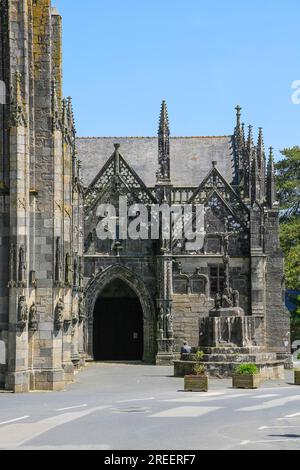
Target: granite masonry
{"x":40,"y":203}
{"x":66,"y":296}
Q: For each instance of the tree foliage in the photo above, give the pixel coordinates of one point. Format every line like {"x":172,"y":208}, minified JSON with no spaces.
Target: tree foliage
{"x":288,"y":186}
{"x":288,"y":178}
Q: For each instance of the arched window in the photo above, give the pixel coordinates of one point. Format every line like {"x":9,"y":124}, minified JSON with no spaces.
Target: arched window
{"x":2,"y":353}
{"x":2,"y":92}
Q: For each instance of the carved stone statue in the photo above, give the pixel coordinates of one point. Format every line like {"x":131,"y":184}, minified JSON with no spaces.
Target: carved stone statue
{"x":236,"y":298}
{"x":81,"y":308}
{"x":227,"y":300}
{"x":227,"y":303}
{"x":22,"y":267}
{"x":58,"y":264}
{"x":160,"y":323}
{"x":22,"y":310}
{"x":218,"y":301}
{"x":169,"y":323}
{"x":59,"y":313}
{"x":33,"y":323}
{"x":12,"y":265}
{"x":68,"y":270}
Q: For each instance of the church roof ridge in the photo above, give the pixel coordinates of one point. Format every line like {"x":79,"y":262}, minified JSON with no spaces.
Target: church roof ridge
{"x":155,"y":137}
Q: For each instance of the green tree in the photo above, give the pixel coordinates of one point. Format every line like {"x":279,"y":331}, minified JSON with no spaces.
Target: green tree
{"x":288,"y":186}
{"x":288,"y":178}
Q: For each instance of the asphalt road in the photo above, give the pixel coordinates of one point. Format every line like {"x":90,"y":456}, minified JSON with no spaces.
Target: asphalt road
{"x":133,"y":407}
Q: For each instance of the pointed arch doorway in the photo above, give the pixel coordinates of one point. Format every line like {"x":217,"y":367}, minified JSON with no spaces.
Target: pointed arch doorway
{"x":118,"y":324}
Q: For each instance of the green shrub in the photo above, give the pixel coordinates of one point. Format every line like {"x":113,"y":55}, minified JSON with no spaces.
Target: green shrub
{"x":199,"y":369}
{"x":199,"y":356}
{"x":247,"y":369}
{"x":298,"y":357}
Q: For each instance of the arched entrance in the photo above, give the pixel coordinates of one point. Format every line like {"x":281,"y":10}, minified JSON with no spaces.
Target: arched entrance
{"x":94,"y":289}
{"x":118,"y":324}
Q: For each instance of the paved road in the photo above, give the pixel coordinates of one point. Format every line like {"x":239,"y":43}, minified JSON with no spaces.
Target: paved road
{"x":135,"y":407}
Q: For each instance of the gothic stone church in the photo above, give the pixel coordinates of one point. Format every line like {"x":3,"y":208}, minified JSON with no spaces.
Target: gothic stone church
{"x":65,"y":295}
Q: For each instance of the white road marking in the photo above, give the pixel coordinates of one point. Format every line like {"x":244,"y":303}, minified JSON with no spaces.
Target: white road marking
{"x":14,"y":420}
{"x":293,"y":416}
{"x":271,"y":404}
{"x":266,"y":396}
{"x":277,"y":427}
{"x":196,"y":398}
{"x":185,"y":412}
{"x":16,"y":435}
{"x":72,"y":408}
{"x":207,"y":394}
{"x":245,"y":443}
{"x":270,"y":441}
{"x":133,"y":401}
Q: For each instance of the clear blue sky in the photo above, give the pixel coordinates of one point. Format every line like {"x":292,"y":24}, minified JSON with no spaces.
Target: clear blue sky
{"x":122,"y":57}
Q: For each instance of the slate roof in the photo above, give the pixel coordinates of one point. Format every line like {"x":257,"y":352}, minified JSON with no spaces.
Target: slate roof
{"x":191,"y":157}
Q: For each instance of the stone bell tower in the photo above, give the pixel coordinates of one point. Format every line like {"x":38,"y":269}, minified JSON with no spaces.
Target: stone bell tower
{"x":40,"y":202}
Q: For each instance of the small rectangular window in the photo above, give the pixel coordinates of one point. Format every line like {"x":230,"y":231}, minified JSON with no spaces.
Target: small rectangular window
{"x":217,"y":279}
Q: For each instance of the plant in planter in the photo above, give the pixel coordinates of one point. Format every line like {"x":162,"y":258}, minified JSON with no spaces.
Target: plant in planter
{"x":297,"y":376}
{"x":198,"y":382}
{"x":246,"y":376}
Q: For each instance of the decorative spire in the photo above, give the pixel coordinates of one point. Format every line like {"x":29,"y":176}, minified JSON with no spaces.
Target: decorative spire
{"x":54,"y":106}
{"x":117,"y":158}
{"x":243,"y":134}
{"x":261,"y":161}
{"x":70,"y":115}
{"x":271,"y":196}
{"x":164,"y":144}
{"x":238,"y":117}
{"x":65,"y":114}
{"x":260,"y":149}
{"x":238,"y":131}
{"x":250,"y":141}
{"x":255,"y":177}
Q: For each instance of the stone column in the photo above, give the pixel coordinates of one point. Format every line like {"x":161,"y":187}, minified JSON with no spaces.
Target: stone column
{"x":17,"y":378}
{"x":165,"y":333}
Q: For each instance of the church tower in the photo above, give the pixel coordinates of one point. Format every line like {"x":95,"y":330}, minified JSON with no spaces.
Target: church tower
{"x":40,"y":204}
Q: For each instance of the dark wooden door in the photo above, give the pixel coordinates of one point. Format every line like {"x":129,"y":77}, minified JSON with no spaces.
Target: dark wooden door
{"x":118,"y":330}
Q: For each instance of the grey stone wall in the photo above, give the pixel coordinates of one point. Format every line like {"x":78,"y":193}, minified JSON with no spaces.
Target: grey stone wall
{"x":43,"y":205}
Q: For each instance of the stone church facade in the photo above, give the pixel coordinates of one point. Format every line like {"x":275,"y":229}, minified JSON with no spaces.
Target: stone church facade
{"x":67,"y":296}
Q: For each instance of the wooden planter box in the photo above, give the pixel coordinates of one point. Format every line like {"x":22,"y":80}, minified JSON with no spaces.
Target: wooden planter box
{"x":297,"y":377}
{"x":195,"y":383}
{"x":246,"y":381}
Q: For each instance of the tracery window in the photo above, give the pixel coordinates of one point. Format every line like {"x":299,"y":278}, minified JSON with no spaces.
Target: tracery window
{"x":217,"y":279}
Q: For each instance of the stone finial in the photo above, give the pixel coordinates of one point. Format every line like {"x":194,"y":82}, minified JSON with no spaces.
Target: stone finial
{"x":250,"y":141}
{"x":54,"y":106}
{"x":163,"y":172}
{"x":243,"y":134}
{"x":164,"y":126}
{"x":255,"y":177}
{"x":117,"y":158}
{"x":271,"y":190}
{"x":260,"y":148}
{"x":238,"y":116}
{"x":214,"y":163}
{"x":64,"y":113}
{"x":70,"y":114}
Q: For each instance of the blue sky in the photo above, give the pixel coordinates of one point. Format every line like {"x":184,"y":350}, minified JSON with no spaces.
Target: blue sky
{"x":122,"y":57}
